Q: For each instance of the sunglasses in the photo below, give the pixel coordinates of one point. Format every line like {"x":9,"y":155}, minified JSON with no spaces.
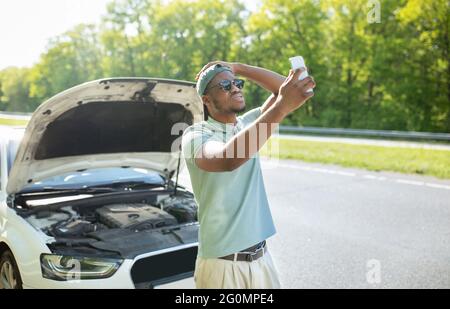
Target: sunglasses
{"x":225,"y":84}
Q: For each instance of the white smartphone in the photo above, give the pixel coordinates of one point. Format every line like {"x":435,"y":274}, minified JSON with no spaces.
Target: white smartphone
{"x":298,"y":62}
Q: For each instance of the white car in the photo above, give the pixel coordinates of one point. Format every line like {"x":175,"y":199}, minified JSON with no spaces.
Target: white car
{"x":89,"y":193}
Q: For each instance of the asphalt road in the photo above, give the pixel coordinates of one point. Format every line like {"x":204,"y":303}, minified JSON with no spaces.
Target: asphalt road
{"x":337,"y":226}
{"x":349,"y":228}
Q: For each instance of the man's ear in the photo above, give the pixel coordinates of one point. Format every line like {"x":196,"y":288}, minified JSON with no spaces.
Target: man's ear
{"x":207,"y":101}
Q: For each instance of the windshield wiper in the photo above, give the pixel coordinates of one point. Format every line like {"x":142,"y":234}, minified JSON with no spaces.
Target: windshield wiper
{"x":50,"y":190}
{"x":113,"y":187}
{"x":133,"y":185}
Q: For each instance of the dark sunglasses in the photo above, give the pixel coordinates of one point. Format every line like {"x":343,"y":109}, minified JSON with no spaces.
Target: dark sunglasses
{"x":225,"y":84}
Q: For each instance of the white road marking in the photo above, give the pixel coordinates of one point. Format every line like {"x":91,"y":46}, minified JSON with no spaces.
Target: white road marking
{"x":346,"y":174}
{"x":366,"y":176}
{"x":435,"y":185}
{"x":319,"y":170}
{"x":410,"y":182}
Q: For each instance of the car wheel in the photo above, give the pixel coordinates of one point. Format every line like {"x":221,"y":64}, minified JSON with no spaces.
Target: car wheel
{"x":9,"y":272}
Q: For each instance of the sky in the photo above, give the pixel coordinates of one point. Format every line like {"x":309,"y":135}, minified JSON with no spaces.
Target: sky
{"x":27,"y":25}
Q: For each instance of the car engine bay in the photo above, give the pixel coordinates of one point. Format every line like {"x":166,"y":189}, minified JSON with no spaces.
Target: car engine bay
{"x":127,"y":228}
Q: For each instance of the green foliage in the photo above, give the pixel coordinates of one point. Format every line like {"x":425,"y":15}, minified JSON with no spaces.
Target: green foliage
{"x":14,"y":92}
{"x":72,"y":58}
{"x":389,"y":75}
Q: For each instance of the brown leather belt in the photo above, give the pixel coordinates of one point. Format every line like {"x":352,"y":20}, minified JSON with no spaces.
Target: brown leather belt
{"x":248,"y":255}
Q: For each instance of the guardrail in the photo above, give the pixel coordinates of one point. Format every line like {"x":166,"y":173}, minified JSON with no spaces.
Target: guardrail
{"x":14,"y":115}
{"x":410,"y":135}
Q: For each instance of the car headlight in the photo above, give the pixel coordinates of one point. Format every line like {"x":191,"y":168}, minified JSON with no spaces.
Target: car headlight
{"x":64,"y":268}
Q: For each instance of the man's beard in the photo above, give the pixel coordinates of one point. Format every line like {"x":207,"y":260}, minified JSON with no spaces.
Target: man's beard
{"x":238,"y":110}
{"x":231,"y":109}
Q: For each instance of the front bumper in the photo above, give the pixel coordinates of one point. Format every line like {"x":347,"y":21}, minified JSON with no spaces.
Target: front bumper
{"x":173,"y":267}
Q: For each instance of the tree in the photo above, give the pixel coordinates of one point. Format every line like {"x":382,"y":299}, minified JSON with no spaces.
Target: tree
{"x":389,"y":75}
{"x":15,"y":85}
{"x":72,"y":58}
{"x":426,"y":66}
{"x":172,"y":40}
{"x":281,"y":29}
{"x":124,"y":36}
{"x":2,"y":103}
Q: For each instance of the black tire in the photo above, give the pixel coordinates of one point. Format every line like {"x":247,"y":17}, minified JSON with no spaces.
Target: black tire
{"x":9,"y":272}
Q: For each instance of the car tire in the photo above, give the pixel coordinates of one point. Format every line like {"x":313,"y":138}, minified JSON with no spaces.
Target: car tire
{"x":9,"y":272}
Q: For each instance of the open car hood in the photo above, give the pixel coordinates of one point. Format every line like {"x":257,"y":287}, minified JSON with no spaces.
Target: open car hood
{"x":135,"y":122}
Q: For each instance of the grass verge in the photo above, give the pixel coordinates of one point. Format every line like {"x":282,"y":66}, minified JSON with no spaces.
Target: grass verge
{"x":429,"y":162}
{"x":13,"y":122}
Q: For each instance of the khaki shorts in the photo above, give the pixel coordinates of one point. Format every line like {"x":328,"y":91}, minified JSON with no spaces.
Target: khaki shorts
{"x":223,"y":274}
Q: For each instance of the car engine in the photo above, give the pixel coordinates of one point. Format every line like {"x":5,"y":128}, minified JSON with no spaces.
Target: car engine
{"x":76,"y":222}
{"x":134,"y":216}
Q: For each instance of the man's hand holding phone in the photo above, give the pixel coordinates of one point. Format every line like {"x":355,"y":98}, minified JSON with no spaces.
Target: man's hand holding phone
{"x":294,"y":92}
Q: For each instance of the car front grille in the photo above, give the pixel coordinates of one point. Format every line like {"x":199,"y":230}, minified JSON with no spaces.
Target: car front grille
{"x":163,"y":268}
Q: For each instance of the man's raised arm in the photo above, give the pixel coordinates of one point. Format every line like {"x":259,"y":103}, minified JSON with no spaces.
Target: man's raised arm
{"x":219,"y":157}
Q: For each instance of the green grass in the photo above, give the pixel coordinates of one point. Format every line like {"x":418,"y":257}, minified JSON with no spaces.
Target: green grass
{"x":429,"y":162}
{"x":12,"y":122}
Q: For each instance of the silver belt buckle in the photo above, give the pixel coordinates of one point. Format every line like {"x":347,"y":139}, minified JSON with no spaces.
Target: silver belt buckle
{"x":249,"y":257}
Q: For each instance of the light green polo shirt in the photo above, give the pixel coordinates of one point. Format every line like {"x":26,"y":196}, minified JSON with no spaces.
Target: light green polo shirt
{"x":233,"y":211}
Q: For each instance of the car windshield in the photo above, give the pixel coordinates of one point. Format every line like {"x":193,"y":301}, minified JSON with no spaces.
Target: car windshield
{"x":98,"y":177}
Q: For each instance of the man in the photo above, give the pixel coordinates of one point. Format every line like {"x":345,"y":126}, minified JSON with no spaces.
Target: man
{"x":221,"y":154}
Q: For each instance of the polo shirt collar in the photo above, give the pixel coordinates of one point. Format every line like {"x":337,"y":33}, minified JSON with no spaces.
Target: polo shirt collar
{"x":225,"y":127}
